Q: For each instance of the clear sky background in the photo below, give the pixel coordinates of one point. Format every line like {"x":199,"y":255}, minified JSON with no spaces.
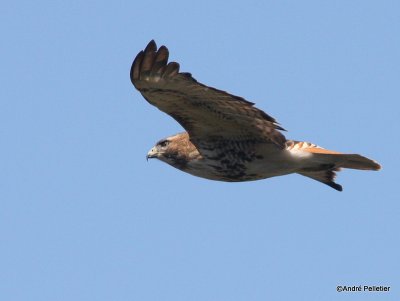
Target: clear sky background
{"x":83,"y":216}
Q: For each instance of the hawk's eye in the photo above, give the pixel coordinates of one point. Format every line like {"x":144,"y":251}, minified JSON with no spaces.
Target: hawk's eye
{"x":163,"y":143}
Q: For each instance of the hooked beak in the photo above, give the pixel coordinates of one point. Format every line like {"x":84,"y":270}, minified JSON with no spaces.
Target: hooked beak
{"x":152,"y":153}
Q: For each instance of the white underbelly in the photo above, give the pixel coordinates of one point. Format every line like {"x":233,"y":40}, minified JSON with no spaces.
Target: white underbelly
{"x":272,"y":165}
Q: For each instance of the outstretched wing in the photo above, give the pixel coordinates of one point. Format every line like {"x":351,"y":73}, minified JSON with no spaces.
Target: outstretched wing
{"x":210,"y":116}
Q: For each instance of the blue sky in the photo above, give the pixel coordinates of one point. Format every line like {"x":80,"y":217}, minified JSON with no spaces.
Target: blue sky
{"x":84,"y":217}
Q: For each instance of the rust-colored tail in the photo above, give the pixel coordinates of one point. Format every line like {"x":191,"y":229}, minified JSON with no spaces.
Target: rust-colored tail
{"x":355,"y":161}
{"x":324,"y":165}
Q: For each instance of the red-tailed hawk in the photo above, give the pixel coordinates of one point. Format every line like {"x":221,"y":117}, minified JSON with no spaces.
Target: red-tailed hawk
{"x":227,"y":138}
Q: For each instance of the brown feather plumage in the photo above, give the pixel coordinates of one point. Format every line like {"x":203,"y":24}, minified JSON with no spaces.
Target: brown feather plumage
{"x":205,"y":112}
{"x":227,"y":138}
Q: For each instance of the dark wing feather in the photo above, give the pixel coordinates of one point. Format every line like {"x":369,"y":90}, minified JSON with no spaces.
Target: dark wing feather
{"x":207,"y":114}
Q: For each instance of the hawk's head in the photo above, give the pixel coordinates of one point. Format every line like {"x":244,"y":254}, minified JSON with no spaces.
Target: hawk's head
{"x":175,"y":150}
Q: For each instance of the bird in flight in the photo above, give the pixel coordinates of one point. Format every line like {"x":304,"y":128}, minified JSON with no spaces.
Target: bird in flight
{"x":227,"y":138}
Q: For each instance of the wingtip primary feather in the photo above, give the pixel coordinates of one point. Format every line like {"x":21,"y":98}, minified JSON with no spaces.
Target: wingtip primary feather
{"x":326,"y":177}
{"x":160,"y":61}
{"x":171,"y":70}
{"x":151,"y":47}
{"x":135,"y":68}
{"x":143,"y":61}
{"x":151,"y":62}
{"x":335,"y":186}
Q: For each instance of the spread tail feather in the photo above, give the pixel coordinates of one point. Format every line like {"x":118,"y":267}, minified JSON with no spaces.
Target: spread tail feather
{"x":355,"y":161}
{"x":324,"y":166}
